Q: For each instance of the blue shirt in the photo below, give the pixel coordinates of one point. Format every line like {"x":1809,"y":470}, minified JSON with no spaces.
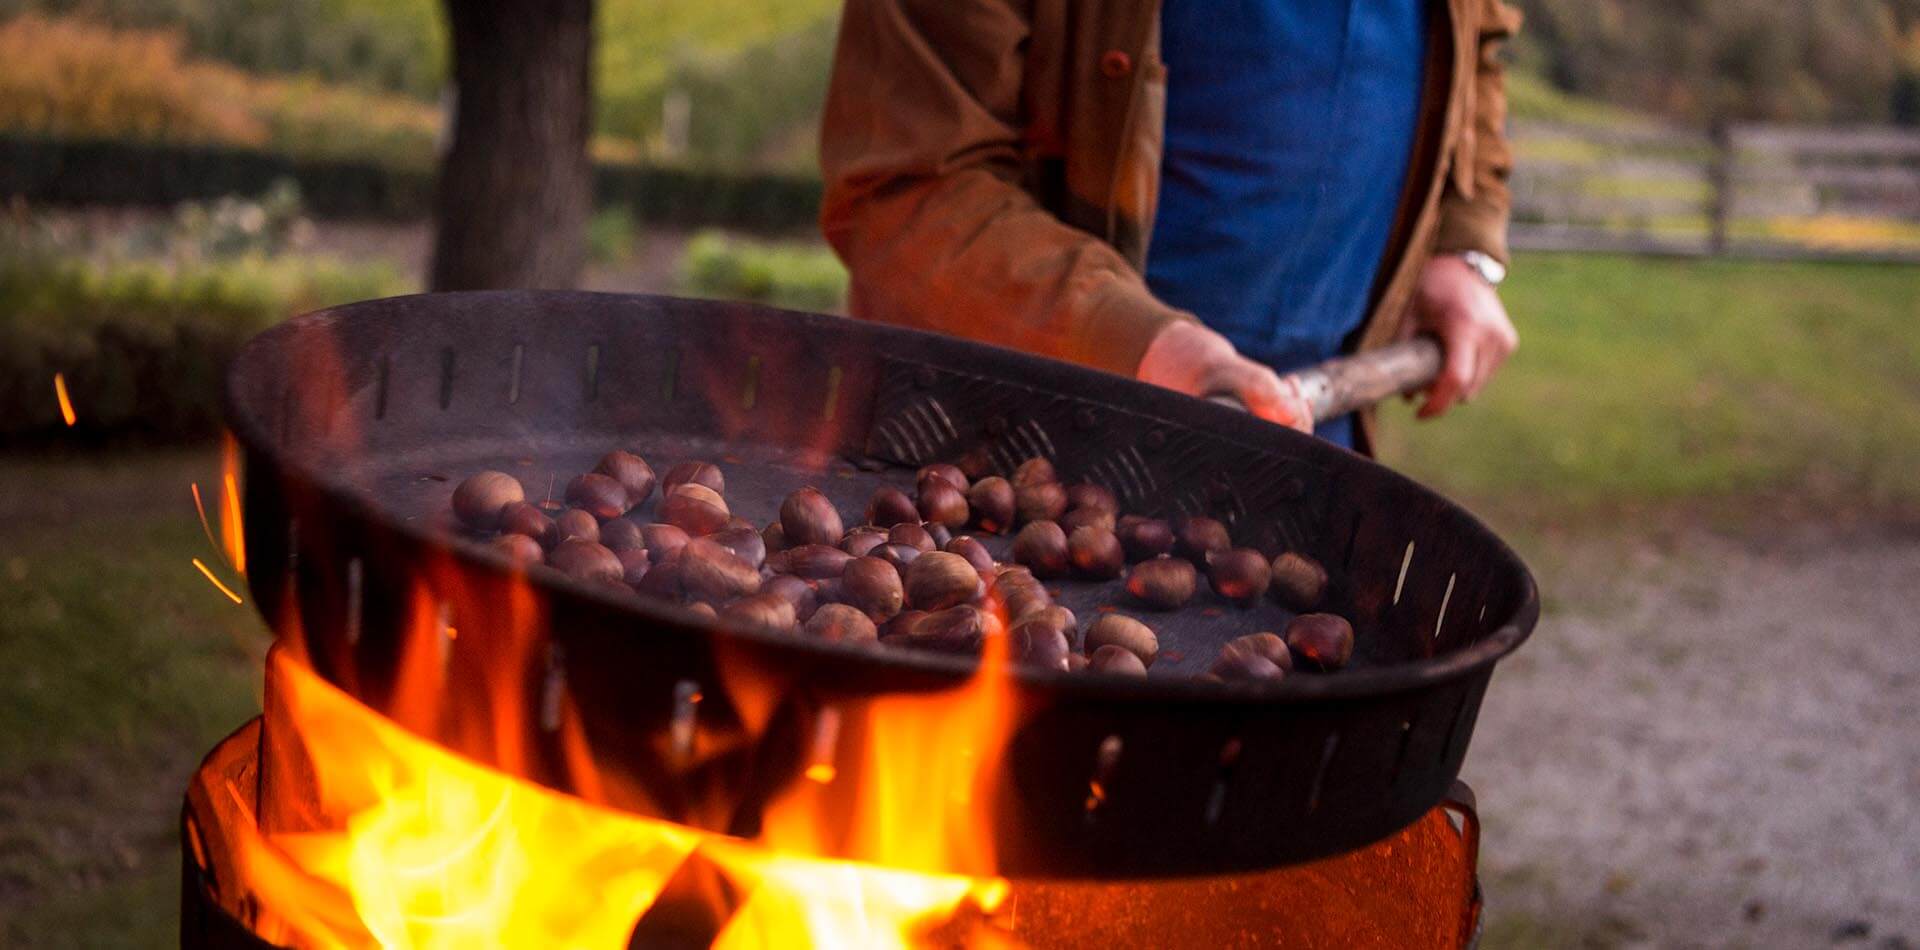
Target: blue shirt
{"x":1289,"y":130}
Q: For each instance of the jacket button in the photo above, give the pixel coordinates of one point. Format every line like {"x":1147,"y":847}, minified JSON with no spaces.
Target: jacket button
{"x":1115,"y":64}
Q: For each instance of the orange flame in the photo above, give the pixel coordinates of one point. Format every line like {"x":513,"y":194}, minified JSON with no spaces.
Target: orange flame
{"x":66,"y":404}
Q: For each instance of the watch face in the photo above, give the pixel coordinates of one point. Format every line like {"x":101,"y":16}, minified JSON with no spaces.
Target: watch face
{"x":1490,"y":270}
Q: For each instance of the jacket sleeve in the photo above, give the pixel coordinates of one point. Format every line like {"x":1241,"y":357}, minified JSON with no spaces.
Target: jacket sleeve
{"x":1476,"y":204}
{"x":922,"y":152}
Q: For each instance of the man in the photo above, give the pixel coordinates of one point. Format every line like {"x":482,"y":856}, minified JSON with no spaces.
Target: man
{"x":1328,"y":175}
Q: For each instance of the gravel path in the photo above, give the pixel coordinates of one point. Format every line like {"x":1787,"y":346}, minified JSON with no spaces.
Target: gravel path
{"x":1714,"y":746}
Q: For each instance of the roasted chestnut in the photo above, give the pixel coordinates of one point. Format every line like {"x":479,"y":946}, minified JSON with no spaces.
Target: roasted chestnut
{"x":842,"y":623}
{"x":519,"y":549}
{"x":809,"y":518}
{"x":662,"y":579}
{"x":901,"y":556}
{"x":992,"y":502}
{"x":1077,"y":518}
{"x":1321,"y":642}
{"x":1096,"y":553}
{"x":938,"y":580}
{"x":710,"y":572}
{"x":810,"y":561}
{"x":1299,"y":581}
{"x":598,"y":495}
{"x":873,"y":587}
{"x":902,"y":623}
{"x":1034,"y":471}
{"x":703,"y":609}
{"x":940,"y":534}
{"x":1041,"y":501}
{"x":1041,"y":547}
{"x":743,"y":541}
{"x":1018,"y":592}
{"x":889,"y":506}
{"x":913,"y":533}
{"x":1089,"y":495}
{"x":798,"y":592}
{"x":1040,"y":641}
{"x":773,"y":537}
{"x":1144,"y":538}
{"x":586,"y":560}
{"x":573,"y":523}
{"x":631,"y":471}
{"x":662,"y":540}
{"x":620,"y":534}
{"x":861,"y":541}
{"x":634,"y":564}
{"x":1117,"y":661}
{"x":1246,"y":668}
{"x":695,"y":508}
{"x":1240,"y":575}
{"x":1266,"y":645}
{"x":477,"y":501}
{"x":959,"y":629}
{"x":764,"y":610}
{"x":1196,"y":537}
{"x":524,"y":518}
{"x":698,"y":473}
{"x":1125,"y":632}
{"x":951,"y":474}
{"x":1163,"y":583}
{"x":975,"y":553}
{"x":941,"y":503}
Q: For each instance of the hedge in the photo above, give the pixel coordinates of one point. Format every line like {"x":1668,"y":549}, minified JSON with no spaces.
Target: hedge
{"x":64,"y":172}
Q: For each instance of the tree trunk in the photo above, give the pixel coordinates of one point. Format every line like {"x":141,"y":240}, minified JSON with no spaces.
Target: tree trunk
{"x":516,"y":185}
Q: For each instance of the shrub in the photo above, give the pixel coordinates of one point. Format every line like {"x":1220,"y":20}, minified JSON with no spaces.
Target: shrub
{"x":802,"y":276}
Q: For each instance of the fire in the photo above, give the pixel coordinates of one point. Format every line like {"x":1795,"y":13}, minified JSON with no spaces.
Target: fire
{"x":232,"y":527}
{"x":66,"y":404}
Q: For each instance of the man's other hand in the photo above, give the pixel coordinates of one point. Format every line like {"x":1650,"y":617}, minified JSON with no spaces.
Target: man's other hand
{"x":1189,"y":358}
{"x":1457,"y":305}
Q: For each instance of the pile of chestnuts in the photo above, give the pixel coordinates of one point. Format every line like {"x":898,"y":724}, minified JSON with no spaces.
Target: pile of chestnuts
{"x":909,"y":574}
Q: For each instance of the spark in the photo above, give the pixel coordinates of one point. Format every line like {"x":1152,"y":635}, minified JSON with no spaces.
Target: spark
{"x":215,"y":581}
{"x":66,"y":404}
{"x":202,"y":510}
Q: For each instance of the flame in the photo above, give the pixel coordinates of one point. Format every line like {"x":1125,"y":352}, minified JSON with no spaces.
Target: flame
{"x":66,"y":404}
{"x":232,"y":527}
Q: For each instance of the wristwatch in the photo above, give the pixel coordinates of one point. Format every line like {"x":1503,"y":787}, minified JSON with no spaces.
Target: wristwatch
{"x":1490,"y":270}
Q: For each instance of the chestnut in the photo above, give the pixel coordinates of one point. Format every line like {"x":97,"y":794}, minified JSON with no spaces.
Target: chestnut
{"x":1144,"y":538}
{"x":1246,"y":668}
{"x":586,"y":560}
{"x":662,"y":540}
{"x":941,"y":503}
{"x":861,"y":541}
{"x":902,"y":623}
{"x":1041,"y":547}
{"x":523,"y":518}
{"x":634,"y":564}
{"x":1195,"y":537}
{"x":710,"y":572}
{"x":1040,"y":641}
{"x":598,"y":495}
{"x":1018,"y":593}
{"x":763,"y":610}
{"x":810,"y":561}
{"x":841,"y":623}
{"x":477,"y":501}
{"x":519,"y":549}
{"x":620,"y":535}
{"x":809,"y":518}
{"x":992,"y":502}
{"x":1089,"y":495}
{"x":798,"y":592}
{"x":975,"y":553}
{"x":1163,"y":583}
{"x":889,"y":506}
{"x":1097,"y":554}
{"x":951,"y":474}
{"x":695,"y":508}
{"x":1321,"y":642}
{"x":901,"y":556}
{"x":662,"y":579}
{"x":1240,"y":575}
{"x":958,"y":629}
{"x":631,"y":471}
{"x":745,"y":543}
{"x":774,"y":537}
{"x":1122,"y":631}
{"x":940,"y":534}
{"x":1034,"y":471}
{"x":703,"y":610}
{"x":1116,"y":661}
{"x":913,"y":533}
{"x":1269,"y":646}
{"x":1299,"y":582}
{"x":938,"y":580}
{"x":1077,"y":518}
{"x":573,"y":523}
{"x":698,"y":473}
{"x":873,"y":587}
{"x":1043,"y":501}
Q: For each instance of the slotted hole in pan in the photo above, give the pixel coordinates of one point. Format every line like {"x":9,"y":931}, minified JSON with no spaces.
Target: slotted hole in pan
{"x":1217,"y":796}
{"x":1106,"y":760}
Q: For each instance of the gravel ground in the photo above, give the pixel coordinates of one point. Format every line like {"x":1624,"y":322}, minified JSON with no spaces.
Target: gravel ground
{"x":1715,"y":745}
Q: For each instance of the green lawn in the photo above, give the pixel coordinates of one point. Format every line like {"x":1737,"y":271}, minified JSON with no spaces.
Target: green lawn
{"x":1643,"y":391}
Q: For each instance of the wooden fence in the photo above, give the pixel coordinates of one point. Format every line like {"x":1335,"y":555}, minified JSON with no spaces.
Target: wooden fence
{"x":1745,"y":190}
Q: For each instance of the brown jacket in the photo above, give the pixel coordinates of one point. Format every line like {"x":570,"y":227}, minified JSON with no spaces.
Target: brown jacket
{"x":992,"y":168}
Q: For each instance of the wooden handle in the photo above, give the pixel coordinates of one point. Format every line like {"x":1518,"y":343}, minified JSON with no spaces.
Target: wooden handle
{"x":1339,"y":386}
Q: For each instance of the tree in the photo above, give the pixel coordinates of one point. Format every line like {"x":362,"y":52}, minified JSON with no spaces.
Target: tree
{"x":516,"y":185}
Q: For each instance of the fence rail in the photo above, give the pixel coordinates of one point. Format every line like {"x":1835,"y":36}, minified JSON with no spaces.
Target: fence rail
{"x":1770,"y":191}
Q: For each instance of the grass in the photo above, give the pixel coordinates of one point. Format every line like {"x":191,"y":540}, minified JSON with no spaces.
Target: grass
{"x":1729,"y":386}
{"x":123,"y":668}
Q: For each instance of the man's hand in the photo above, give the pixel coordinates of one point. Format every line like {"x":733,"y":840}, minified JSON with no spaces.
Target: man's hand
{"x":1457,"y":305}
{"x":1189,"y":358}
